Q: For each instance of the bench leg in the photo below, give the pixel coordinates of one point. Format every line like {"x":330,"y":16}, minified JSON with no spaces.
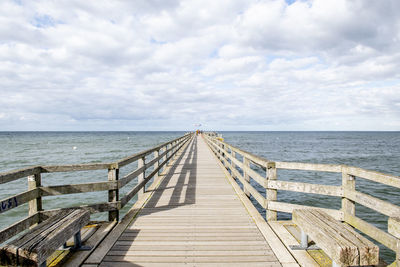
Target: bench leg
{"x":304,"y":239}
{"x":304,"y":243}
{"x":78,"y":243}
{"x":77,"y":240}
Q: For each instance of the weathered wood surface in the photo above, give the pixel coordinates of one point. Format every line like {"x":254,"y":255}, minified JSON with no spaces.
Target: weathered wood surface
{"x":394,"y":226}
{"x":18,"y":227}
{"x":375,"y":176}
{"x":40,"y":242}
{"x":372,"y":231}
{"x":17,"y":200}
{"x":193,"y":216}
{"x":6,"y":177}
{"x":76,"y":167}
{"x":328,"y":190}
{"x":77,"y":188}
{"x":340,"y":242}
{"x":309,"y":166}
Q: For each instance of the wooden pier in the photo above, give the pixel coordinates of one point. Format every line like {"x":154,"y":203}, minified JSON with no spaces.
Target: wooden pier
{"x":197,"y":211}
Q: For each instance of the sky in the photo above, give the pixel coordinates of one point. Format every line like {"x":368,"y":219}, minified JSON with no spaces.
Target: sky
{"x":262,"y":65}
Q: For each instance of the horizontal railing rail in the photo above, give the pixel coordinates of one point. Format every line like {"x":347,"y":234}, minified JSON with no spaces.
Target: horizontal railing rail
{"x":241,"y":170}
{"x":162,"y":155}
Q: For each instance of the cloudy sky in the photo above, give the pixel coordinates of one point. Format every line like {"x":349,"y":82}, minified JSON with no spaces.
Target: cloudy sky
{"x":227,"y":64}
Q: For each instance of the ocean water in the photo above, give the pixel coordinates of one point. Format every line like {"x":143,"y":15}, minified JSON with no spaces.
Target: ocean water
{"x":378,"y":151}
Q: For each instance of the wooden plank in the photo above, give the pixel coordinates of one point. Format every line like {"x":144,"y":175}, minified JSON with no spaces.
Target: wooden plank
{"x":382,"y":237}
{"x":17,"y":200}
{"x":76,"y":167}
{"x":55,"y":190}
{"x":271,"y":194}
{"x":178,"y":259}
{"x":92,"y":208}
{"x":393,"y":226}
{"x":129,"y":177}
{"x":193,"y":264}
{"x":6,"y":177}
{"x":288,"y":207}
{"x":302,"y":257}
{"x":18,"y":227}
{"x":348,"y":184}
{"x":279,"y":249}
{"x":113,"y":194}
{"x":308,"y":166}
{"x":328,"y":190}
{"x":78,"y":257}
{"x":373,"y":203}
{"x":378,"y":177}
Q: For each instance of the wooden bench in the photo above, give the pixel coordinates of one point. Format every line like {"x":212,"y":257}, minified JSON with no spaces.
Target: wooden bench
{"x":339,"y":241}
{"x":34,"y":247}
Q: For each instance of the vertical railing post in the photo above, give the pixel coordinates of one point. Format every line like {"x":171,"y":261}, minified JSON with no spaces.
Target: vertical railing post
{"x":246,"y":163}
{"x":165,"y":157}
{"x":156,"y":164}
{"x":113,"y":195}
{"x":348,"y":184}
{"x":141,"y":176}
{"x":233,"y":154}
{"x":271,"y":194}
{"x":35,"y":205}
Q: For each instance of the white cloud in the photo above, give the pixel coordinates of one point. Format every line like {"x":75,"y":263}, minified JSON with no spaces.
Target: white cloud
{"x":253,"y":65}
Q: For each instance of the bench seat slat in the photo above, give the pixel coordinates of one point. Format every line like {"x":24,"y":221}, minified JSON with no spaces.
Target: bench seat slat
{"x":339,"y":241}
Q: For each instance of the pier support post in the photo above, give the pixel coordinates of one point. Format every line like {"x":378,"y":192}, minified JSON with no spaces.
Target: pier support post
{"x":35,"y":205}
{"x":348,"y":184}
{"x":246,"y":177}
{"x":271,"y":194}
{"x":113,"y":195}
{"x":141,"y":163}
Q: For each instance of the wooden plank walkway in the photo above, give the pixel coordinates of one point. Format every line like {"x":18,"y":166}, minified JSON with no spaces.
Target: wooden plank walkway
{"x":194,"y":218}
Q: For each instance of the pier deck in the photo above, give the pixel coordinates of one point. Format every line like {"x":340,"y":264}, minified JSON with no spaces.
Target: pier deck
{"x":193,"y":218}
{"x":201,"y":210}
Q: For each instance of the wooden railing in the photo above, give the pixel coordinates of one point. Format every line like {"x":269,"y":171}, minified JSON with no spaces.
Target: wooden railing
{"x":241,"y":170}
{"x":162,"y":154}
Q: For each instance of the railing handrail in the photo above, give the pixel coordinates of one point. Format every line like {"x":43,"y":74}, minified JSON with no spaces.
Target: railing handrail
{"x":226,"y":153}
{"x":36,"y":191}
{"x":380,"y":177}
{"x":13,"y":175}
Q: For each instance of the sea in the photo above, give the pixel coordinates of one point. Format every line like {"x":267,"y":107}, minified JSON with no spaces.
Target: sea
{"x":378,"y":151}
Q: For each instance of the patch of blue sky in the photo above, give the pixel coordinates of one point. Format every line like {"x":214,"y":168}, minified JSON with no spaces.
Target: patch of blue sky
{"x":44,"y":21}
{"x":289,"y":2}
{"x":214,"y":53}
{"x":18,"y":2}
{"x":270,"y":58}
{"x":383,"y":83}
{"x":154,"y":41}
